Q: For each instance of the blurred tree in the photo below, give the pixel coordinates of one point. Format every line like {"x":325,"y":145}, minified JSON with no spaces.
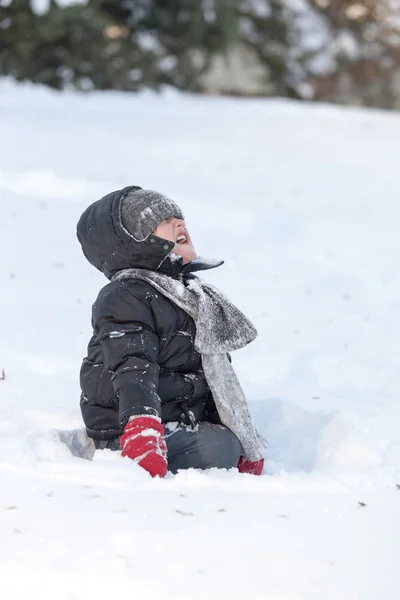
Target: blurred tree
{"x":175,"y":39}
{"x":362,"y":52}
{"x":277,"y":40}
{"x":114,"y":45}
{"x":63,"y":46}
{"x":341,"y":50}
{"x":269,"y":30}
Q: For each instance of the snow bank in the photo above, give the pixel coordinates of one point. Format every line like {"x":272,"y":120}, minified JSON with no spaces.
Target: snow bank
{"x":302,"y":203}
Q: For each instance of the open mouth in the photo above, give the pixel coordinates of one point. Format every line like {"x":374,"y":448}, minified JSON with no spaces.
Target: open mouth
{"x":181,"y":239}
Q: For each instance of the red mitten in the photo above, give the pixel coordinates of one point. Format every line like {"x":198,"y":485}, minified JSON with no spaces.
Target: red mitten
{"x":143,"y":441}
{"x":252,"y":467}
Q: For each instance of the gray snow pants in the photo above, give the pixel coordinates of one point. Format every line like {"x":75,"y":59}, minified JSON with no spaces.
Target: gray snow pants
{"x":204,"y":447}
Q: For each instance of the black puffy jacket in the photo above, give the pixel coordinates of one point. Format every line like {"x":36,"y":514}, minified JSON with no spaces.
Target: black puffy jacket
{"x":141,"y":357}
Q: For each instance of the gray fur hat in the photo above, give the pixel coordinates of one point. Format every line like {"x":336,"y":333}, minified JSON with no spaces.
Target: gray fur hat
{"x":143,"y":210}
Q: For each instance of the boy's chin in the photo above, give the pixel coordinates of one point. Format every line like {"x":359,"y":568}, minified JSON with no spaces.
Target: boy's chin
{"x":187,"y":254}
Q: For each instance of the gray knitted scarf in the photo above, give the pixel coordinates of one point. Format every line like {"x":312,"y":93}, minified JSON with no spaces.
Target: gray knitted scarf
{"x":220,"y":328}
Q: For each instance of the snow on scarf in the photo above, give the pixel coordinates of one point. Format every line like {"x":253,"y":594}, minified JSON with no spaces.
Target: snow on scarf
{"x":220,"y":328}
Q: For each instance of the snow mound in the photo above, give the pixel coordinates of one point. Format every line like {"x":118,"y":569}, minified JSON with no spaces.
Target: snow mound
{"x":302,"y":203}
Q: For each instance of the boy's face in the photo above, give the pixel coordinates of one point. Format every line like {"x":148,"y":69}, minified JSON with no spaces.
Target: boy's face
{"x":174,"y":230}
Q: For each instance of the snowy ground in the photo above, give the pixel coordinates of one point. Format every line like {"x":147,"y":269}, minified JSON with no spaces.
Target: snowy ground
{"x":303,"y":204}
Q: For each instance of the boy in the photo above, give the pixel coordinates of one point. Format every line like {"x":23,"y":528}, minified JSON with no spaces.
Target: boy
{"x":157,"y":382}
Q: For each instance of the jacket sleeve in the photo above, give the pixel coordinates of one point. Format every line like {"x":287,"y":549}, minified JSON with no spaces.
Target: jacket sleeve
{"x":130,"y":352}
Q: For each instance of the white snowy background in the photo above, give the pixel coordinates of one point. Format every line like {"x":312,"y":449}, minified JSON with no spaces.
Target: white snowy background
{"x":302,"y":202}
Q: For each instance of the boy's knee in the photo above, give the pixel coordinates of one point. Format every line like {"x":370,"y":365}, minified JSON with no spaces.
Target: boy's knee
{"x":207,"y":447}
{"x":231,"y":450}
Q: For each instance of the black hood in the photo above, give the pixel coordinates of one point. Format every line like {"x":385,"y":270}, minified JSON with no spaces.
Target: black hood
{"x":109,"y":247}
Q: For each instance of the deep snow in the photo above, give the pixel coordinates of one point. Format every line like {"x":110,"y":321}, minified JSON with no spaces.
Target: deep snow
{"x":302,"y":203}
